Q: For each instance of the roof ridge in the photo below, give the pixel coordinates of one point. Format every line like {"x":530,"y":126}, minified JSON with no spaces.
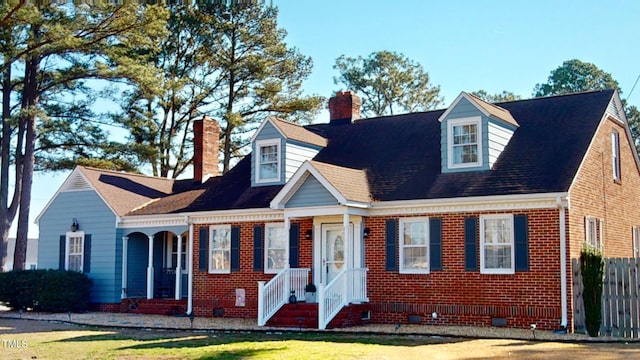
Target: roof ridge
{"x":126,"y":173}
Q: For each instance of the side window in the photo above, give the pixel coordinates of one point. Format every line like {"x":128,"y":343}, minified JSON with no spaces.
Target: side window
{"x":276,"y":250}
{"x":593,"y":233}
{"x":75,"y":251}
{"x":414,"y":245}
{"x":636,"y":241}
{"x":497,"y":244}
{"x":615,"y":155}
{"x":220,"y":249}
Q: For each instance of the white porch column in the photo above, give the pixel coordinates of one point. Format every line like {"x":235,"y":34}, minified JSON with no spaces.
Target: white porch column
{"x":190,"y":276}
{"x":348,"y":264}
{"x":287,"y":227}
{"x":125,"y":245}
{"x":150,"y":269}
{"x":178,"y":294}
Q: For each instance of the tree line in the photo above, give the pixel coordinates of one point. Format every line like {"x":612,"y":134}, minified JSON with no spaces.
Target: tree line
{"x":165,"y":66}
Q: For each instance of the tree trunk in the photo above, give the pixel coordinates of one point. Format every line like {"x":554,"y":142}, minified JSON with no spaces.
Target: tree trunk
{"x":29,"y":106}
{"x":7,"y":210}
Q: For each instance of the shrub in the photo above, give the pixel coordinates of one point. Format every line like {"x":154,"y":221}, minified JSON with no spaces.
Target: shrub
{"x":592,"y":267}
{"x":45,"y":290}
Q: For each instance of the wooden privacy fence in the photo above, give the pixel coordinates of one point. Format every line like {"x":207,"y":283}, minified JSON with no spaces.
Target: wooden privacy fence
{"x":620,"y":298}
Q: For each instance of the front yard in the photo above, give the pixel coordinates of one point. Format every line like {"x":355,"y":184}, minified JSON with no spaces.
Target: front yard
{"x":29,"y":339}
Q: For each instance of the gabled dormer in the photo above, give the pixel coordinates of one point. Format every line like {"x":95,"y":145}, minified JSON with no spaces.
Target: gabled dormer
{"x":279,"y":148}
{"x":473,"y":134}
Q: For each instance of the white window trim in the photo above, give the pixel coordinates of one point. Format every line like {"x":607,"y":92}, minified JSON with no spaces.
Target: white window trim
{"x":597,"y":236}
{"x":211,"y":269}
{"x":477,"y":120}
{"x":401,"y":246}
{"x":266,"y":248}
{"x":615,"y":155}
{"x":259,"y":145}
{"x":67,"y":252}
{"x":635,"y":235}
{"x":484,"y":270}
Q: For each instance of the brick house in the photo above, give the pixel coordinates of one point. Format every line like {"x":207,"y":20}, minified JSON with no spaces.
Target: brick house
{"x":468,"y":215}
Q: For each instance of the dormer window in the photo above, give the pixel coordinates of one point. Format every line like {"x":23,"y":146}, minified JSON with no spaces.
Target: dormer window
{"x":465,"y":142}
{"x":268,"y":161}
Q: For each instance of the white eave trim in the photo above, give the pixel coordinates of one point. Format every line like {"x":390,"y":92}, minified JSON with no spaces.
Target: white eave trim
{"x":469,"y":204}
{"x":202,"y":217}
{"x":296,"y":181}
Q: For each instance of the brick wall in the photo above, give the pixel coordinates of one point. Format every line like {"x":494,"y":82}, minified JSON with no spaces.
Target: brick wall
{"x":212,"y":291}
{"x":469,"y":298}
{"x":595,"y":193}
{"x":458,"y":296}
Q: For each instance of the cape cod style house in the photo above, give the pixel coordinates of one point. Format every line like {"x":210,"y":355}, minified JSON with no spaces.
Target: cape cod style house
{"x":468,"y":215}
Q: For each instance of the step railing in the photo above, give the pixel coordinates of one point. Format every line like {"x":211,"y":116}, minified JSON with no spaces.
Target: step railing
{"x":275,"y":293}
{"x":350,"y":285}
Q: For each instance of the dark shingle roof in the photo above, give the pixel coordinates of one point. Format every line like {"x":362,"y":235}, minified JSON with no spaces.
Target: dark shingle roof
{"x":400,"y":156}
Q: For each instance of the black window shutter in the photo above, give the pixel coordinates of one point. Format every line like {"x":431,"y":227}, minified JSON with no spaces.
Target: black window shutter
{"x":203,"y":249}
{"x":86,"y":256}
{"x":391,"y":245}
{"x":258,"y":247}
{"x":294,"y":245}
{"x":521,"y":242}
{"x":63,"y":246}
{"x":235,"y":248}
{"x":471,"y":244}
{"x":435,"y":244}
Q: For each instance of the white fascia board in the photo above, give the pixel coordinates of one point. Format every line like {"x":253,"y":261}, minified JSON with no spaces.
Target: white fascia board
{"x":296,"y":181}
{"x":467,"y":204}
{"x":262,"y":125}
{"x":201,"y":217}
{"x":324,"y":211}
{"x":463,"y":95}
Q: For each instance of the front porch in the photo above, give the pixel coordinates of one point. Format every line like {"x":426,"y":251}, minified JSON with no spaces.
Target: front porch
{"x":154,"y":266}
{"x":281,"y":300}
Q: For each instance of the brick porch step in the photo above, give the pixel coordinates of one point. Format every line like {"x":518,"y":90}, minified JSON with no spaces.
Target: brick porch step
{"x":155,"y":306}
{"x":305,"y":315}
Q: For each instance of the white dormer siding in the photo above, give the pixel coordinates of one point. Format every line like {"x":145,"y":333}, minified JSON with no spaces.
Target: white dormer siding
{"x":468,"y":127}
{"x":291,"y":154}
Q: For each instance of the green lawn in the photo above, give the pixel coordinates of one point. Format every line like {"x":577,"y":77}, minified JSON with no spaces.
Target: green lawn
{"x":45,"y":340}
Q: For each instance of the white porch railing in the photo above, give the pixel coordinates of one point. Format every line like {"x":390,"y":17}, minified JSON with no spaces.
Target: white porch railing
{"x":274,"y":294}
{"x":350,"y":285}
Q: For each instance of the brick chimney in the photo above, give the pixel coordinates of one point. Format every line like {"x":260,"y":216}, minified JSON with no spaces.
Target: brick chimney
{"x":344,"y":107}
{"x":206,"y":144}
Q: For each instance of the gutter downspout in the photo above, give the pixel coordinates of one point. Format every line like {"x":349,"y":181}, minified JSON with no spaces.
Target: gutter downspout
{"x":563,"y":262}
{"x":190,"y":276}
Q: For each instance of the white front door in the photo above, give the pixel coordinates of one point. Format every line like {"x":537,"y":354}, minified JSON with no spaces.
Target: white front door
{"x":332,"y":251}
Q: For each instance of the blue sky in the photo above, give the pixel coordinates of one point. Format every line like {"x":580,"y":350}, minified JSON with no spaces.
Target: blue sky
{"x":463,"y":45}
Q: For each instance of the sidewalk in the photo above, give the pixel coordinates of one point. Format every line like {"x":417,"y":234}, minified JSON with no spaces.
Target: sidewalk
{"x":122,"y":320}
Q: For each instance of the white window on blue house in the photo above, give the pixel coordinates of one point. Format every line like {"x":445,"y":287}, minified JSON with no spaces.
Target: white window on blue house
{"x":220,"y":249}
{"x":615,"y":152}
{"x":414,"y":245}
{"x":268,"y":160}
{"x":497,"y":244}
{"x":75,"y":251}
{"x":465,"y":142}
{"x":276,"y":250}
{"x":172,"y":249}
